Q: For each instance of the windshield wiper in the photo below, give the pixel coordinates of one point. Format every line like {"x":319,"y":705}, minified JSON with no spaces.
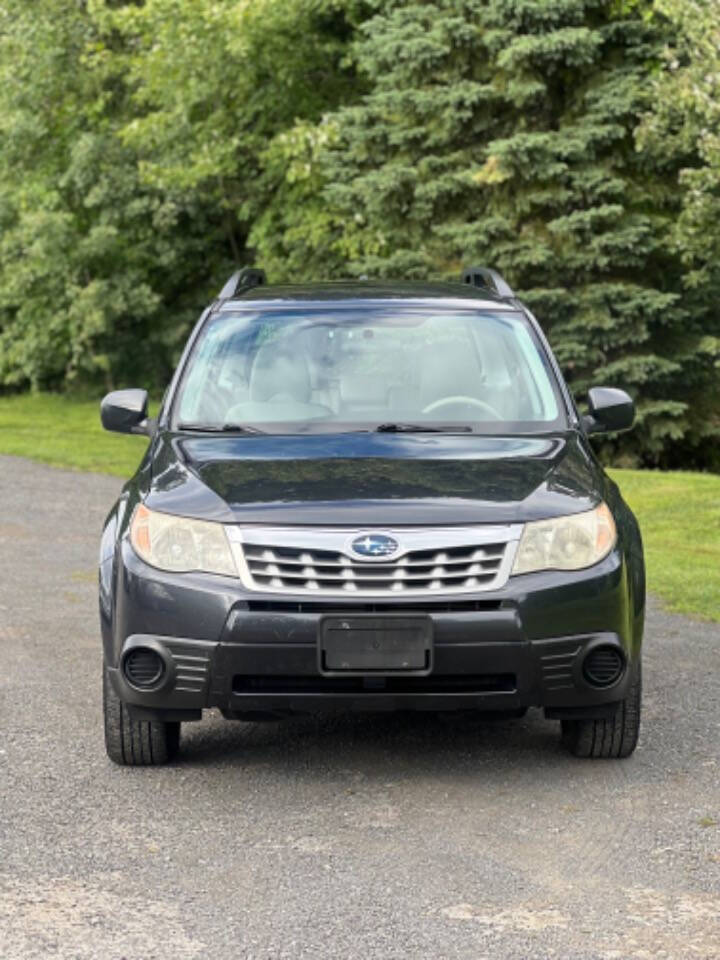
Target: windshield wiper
{"x":419,"y":428}
{"x":218,"y":428}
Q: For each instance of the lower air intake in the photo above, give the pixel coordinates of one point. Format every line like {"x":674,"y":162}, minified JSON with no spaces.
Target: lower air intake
{"x":365,"y":686}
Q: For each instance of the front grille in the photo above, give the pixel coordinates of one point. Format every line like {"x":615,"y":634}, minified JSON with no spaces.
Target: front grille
{"x":464,"y":683}
{"x":429,"y":561}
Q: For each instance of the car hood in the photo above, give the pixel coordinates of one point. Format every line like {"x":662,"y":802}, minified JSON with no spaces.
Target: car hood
{"x":373,"y":479}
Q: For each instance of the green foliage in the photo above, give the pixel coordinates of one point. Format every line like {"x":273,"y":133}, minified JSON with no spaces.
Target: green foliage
{"x":684,"y":127}
{"x":88,"y":254}
{"x":685,"y":124}
{"x":130,"y":138}
{"x":503,"y":133}
{"x":147,"y":148}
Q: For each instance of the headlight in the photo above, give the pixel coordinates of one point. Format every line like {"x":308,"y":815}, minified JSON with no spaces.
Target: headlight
{"x":566,"y":543}
{"x":179,"y":544}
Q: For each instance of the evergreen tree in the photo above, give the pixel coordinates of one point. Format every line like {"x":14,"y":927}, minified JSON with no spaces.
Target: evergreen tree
{"x":147,"y":148}
{"x":502,"y":132}
{"x":683,"y":126}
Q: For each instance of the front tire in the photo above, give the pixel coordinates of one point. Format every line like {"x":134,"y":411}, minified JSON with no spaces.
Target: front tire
{"x":604,"y":739}
{"x":136,"y":743}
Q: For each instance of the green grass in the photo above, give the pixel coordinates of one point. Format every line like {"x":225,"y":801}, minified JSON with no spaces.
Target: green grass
{"x":65,"y":432}
{"x":679,"y":513}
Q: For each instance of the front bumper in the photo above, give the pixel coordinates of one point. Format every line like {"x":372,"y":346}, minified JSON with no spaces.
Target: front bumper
{"x":247,"y":654}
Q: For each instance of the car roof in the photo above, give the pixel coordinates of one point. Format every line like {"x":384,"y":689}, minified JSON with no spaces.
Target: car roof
{"x":375,"y":291}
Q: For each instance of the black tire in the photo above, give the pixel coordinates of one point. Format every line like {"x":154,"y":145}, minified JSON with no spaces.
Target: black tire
{"x":613,"y":738}
{"x":136,"y":743}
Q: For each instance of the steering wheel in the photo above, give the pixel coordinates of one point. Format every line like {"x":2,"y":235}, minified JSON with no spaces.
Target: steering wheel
{"x":473,"y":401}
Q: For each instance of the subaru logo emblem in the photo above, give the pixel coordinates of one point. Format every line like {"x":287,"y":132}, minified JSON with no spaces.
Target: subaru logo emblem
{"x":374,"y":545}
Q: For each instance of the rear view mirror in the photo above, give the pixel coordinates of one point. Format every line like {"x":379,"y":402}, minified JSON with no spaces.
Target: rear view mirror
{"x":126,"y":411}
{"x":611,"y":410}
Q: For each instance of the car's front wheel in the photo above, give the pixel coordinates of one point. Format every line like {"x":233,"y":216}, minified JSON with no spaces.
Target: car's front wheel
{"x":616,"y":737}
{"x":136,"y":743}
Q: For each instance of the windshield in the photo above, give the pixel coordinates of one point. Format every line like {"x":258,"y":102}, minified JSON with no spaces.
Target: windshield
{"x":319,"y":369}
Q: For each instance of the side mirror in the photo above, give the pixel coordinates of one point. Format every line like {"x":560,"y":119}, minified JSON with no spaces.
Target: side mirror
{"x":126,"y":411}
{"x":611,"y":410}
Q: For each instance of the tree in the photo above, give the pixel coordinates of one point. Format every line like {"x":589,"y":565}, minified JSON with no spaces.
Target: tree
{"x":89,"y":254}
{"x":502,"y":132}
{"x":217,"y":85}
{"x":146,"y":149}
{"x":131,"y":139}
{"x":685,"y":121}
{"x":684,"y":126}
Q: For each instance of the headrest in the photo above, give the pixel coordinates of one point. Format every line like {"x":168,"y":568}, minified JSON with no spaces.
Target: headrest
{"x":278,"y":371}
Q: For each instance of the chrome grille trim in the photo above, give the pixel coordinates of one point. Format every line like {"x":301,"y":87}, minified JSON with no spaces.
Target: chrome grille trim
{"x":431,"y":561}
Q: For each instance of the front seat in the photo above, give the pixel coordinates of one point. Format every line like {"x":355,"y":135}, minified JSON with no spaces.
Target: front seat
{"x":280,"y":388}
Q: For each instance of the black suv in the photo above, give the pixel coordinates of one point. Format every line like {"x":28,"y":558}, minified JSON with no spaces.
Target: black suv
{"x":364,"y":496}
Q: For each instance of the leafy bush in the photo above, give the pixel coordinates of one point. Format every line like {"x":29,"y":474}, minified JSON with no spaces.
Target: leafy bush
{"x":146,"y":149}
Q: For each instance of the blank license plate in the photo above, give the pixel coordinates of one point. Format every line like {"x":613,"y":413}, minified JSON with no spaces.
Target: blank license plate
{"x":367,"y":644}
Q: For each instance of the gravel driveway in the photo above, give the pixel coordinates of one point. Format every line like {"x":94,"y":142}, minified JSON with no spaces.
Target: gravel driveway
{"x":355,"y":837}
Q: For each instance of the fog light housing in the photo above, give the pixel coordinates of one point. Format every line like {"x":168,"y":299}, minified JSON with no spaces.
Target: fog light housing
{"x":603,"y":666}
{"x":143,"y":668}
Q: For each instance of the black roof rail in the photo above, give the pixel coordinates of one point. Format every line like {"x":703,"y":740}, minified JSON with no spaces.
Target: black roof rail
{"x":488,"y":279}
{"x":244,"y":279}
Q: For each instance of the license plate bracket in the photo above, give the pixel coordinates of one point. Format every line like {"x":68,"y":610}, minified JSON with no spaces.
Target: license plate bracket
{"x":380,"y":645}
